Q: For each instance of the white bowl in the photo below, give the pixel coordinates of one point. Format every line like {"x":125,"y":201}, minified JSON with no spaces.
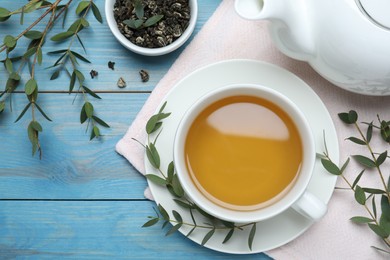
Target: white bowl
{"x":109,"y":6}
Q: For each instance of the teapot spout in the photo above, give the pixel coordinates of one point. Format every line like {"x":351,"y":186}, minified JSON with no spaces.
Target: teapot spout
{"x":290,"y":24}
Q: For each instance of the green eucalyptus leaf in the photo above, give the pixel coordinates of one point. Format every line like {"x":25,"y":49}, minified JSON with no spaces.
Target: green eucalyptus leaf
{"x":177,"y":188}
{"x":378,"y":230}
{"x":153,"y":156}
{"x":356,"y":140}
{"x":361,"y":220}
{"x":381,"y":158}
{"x":36,"y":126}
{"x":82,"y":6}
{"x":385,"y":206}
{"x":365,"y":161}
{"x":80,"y":76}
{"x":62,"y":36}
{"x":8,"y":65}
{"x":39,"y":56}
{"x":2,"y":106}
{"x":96,"y":13}
{"x":251,"y":237}
{"x":153,"y":20}
{"x":10,"y":42}
{"x":95,"y":132}
{"x":88,"y":109}
{"x":369,"y":132}
{"x":23,"y":112}
{"x":100,"y":121}
{"x":163,"y":212}
{"x":4,"y":14}
{"x":174,"y":229}
{"x":192,"y":230}
{"x":360,"y":196}
{"x":80,"y":57}
{"x":177,"y":216}
{"x":30,"y":86}
{"x":183,"y":204}
{"x":31,"y":6}
{"x":385,"y":131}
{"x":373,"y":205}
{"x":90,"y":92}
{"x":348,"y":118}
{"x":170,"y":171}
{"x":228,"y":236}
{"x":55,"y":75}
{"x":31,"y":51}
{"x":156,"y":179}
{"x":33,"y":35}
{"x":357,"y":179}
{"x":374,"y":191}
{"x":331,"y":167}
{"x":72,"y":81}
{"x":208,"y":236}
{"x":41,"y":111}
{"x":384,"y":223}
{"x":83,"y":115}
{"x":151,"y":222}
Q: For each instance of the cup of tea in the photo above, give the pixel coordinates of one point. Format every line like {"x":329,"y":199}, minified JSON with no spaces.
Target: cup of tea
{"x":245,"y":153}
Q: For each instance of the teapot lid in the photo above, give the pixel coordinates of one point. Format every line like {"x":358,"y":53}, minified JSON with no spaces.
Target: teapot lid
{"x":377,"y":11}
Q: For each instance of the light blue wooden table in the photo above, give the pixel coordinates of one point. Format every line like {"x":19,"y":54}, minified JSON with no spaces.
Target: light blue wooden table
{"x":82,"y":200}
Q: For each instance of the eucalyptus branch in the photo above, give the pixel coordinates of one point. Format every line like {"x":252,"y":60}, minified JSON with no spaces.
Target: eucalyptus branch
{"x":34,"y":52}
{"x":171,"y":182}
{"x":379,"y":224}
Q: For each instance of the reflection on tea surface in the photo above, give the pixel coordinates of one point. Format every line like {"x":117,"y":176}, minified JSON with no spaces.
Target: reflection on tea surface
{"x":243,"y":152}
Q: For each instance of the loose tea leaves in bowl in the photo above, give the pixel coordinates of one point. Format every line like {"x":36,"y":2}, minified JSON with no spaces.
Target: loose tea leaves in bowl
{"x":152,"y":23}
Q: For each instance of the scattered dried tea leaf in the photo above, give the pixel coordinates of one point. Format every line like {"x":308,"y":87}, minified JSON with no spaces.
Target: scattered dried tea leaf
{"x":111,"y":65}
{"x":93,"y":73}
{"x":121,"y":83}
{"x":144,"y":75}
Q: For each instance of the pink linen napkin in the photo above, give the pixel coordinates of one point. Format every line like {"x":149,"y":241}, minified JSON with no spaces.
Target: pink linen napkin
{"x":227,"y":36}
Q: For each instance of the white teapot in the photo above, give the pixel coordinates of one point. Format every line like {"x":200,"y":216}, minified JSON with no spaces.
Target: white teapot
{"x":346,"y":41}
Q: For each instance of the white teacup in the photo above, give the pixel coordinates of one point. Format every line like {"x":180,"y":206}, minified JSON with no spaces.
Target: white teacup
{"x":296,"y":196}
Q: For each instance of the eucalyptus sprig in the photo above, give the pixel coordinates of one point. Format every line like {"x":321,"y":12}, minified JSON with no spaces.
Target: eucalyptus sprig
{"x":33,"y":56}
{"x":378,"y":222}
{"x":170,"y":181}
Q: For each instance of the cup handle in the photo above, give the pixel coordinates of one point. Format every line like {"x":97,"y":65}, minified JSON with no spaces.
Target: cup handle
{"x":310,"y":206}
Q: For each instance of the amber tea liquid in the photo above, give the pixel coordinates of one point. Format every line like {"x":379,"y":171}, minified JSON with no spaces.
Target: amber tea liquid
{"x":243,"y":152}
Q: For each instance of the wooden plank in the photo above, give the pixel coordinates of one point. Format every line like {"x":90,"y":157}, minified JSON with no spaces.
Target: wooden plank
{"x":101,"y":47}
{"x":92,"y":230}
{"x":71,"y":166}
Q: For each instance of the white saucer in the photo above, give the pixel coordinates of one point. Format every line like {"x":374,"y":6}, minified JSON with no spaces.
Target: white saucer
{"x":287,"y":226}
